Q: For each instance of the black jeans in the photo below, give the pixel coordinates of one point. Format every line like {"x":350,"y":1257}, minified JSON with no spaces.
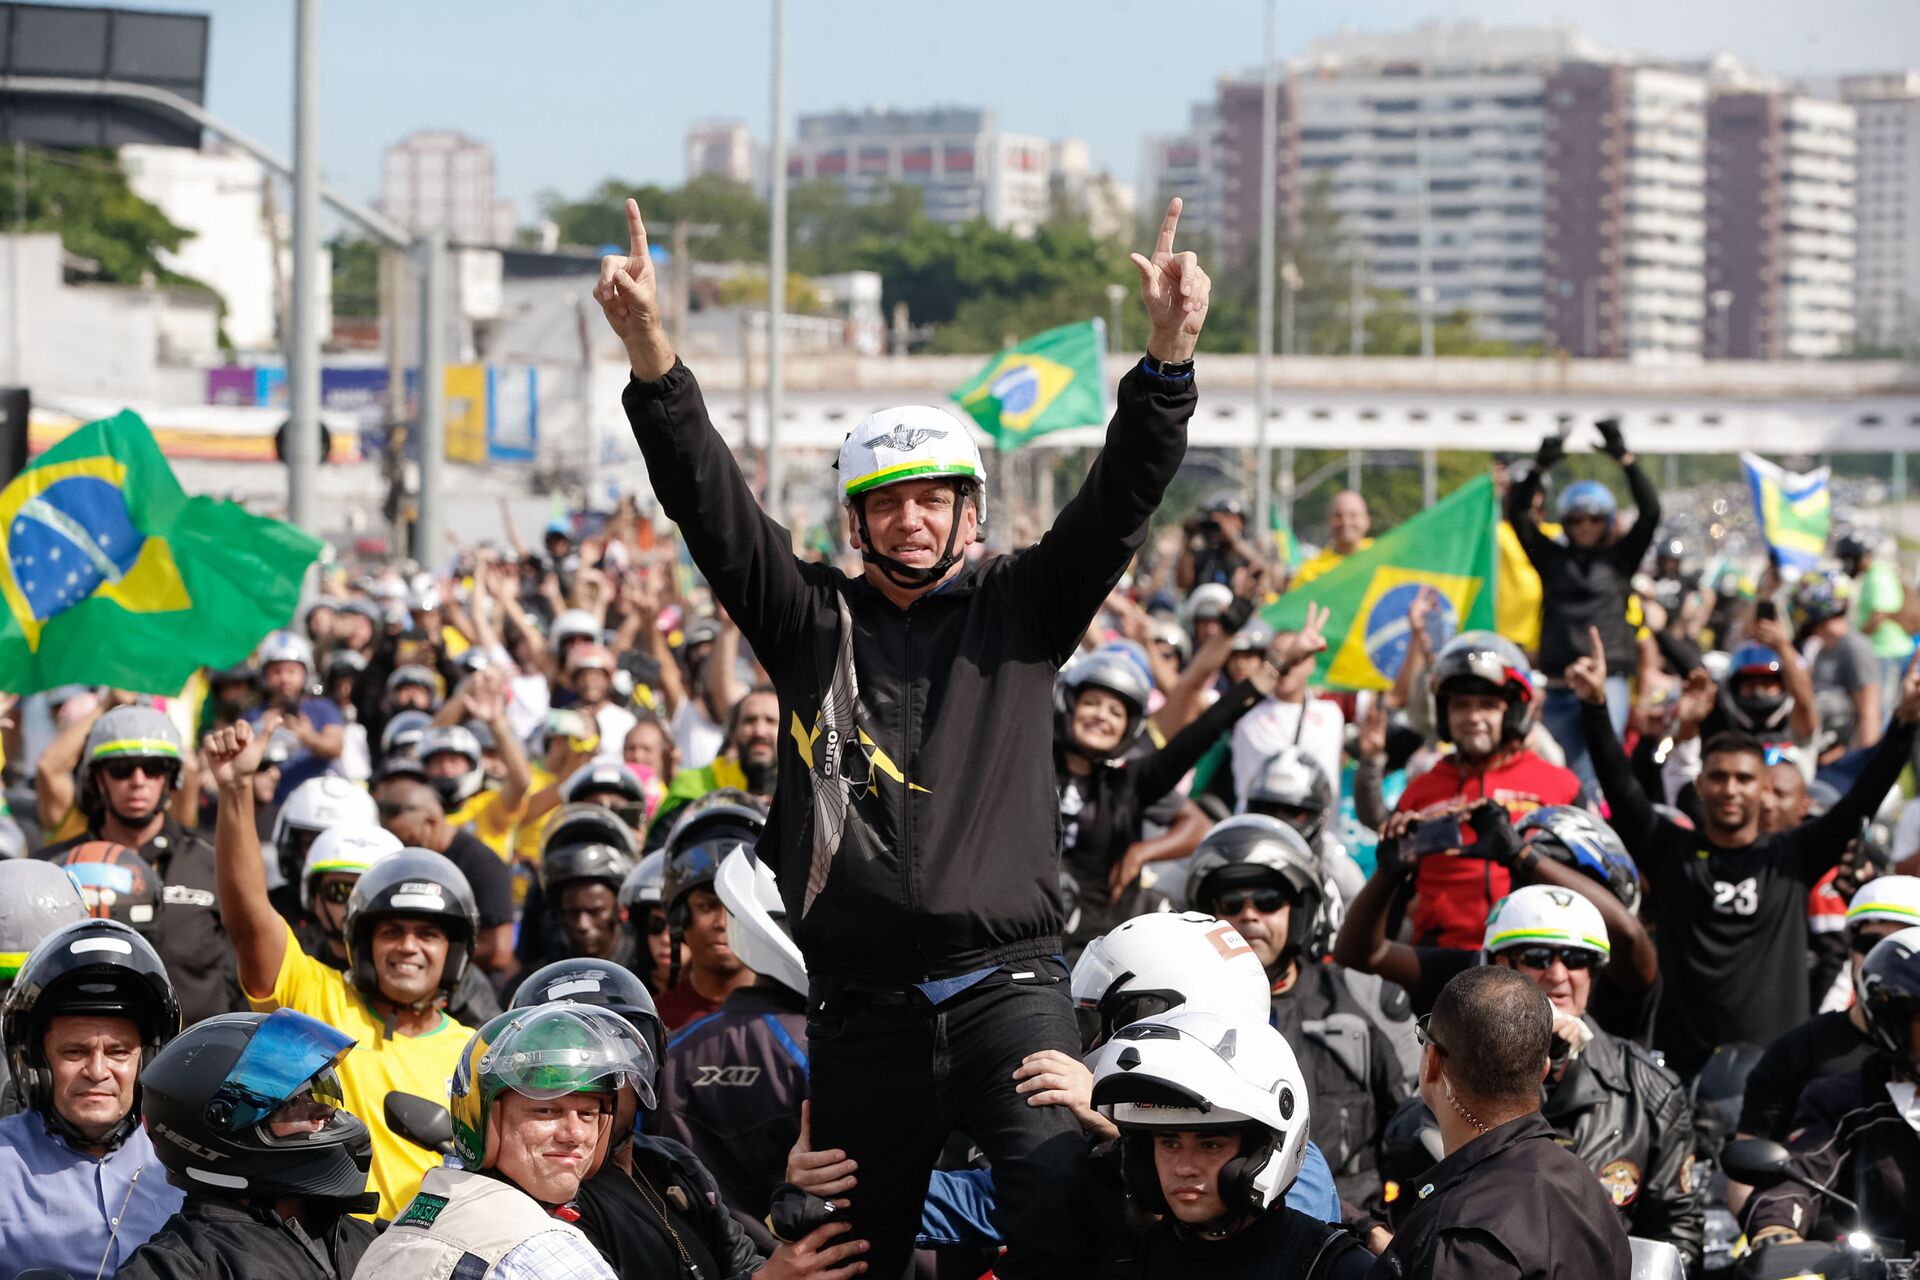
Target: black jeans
{"x":891,"y":1081}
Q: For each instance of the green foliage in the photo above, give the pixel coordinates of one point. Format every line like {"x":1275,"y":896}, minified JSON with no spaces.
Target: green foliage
{"x":356,"y":277}
{"x":83,"y":195}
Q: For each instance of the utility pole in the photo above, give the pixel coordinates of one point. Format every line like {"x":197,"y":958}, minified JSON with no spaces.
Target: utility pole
{"x":433,"y":397}
{"x":16,"y":346}
{"x":303,"y":348}
{"x":1263,"y":361}
{"x":777,"y":258}
{"x":1116,"y":302}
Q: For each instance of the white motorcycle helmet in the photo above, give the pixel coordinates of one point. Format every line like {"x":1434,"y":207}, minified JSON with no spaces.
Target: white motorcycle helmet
{"x":913,"y":442}
{"x":1895,"y":899}
{"x":570,"y":624}
{"x":285,"y":646}
{"x":313,"y":807}
{"x":1154,"y":964}
{"x":757,"y":920}
{"x":347,"y":848}
{"x":1542,"y":915}
{"x":1196,"y":1070}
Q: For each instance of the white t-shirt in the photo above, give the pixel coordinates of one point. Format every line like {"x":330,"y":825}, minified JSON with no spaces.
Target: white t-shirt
{"x":615,"y":724}
{"x":698,"y":737}
{"x":1272,"y":725}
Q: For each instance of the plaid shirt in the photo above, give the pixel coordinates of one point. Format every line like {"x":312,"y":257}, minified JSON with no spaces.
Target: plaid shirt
{"x":553,"y":1255}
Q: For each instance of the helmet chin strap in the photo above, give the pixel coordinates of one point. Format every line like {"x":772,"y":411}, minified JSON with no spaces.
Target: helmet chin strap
{"x":899,"y":573}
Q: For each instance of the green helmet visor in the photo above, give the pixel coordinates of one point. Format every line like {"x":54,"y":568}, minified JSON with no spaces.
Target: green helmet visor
{"x":552,"y":1051}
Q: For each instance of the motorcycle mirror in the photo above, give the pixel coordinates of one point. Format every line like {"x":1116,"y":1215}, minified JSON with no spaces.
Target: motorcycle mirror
{"x":423,"y":1123}
{"x":1758,"y":1162}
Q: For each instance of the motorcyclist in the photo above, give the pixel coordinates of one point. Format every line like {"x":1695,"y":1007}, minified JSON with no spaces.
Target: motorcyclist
{"x":534,"y":1102}
{"x":1859,"y":1133}
{"x":1213,"y":1114}
{"x":703,"y":836}
{"x":287,"y":689}
{"x":129,"y":771}
{"x":410,"y":923}
{"x":309,"y":809}
{"x":1612,"y":1103}
{"x":581,"y":881}
{"x":1256,"y":873}
{"x":35,"y":899}
{"x":733,"y":1081}
{"x":90,"y":1007}
{"x":1292,"y":787}
{"x":246,"y":1114}
{"x":1483,"y":698}
{"x":543,"y":934}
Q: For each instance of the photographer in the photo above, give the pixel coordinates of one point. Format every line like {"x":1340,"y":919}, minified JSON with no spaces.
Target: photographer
{"x":1216,"y":546}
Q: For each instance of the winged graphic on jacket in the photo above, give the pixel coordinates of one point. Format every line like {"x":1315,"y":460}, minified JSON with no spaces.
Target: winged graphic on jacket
{"x":833,"y":728}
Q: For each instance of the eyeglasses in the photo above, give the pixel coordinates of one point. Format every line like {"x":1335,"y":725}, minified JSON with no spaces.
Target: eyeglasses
{"x":121,"y":770}
{"x":1266,"y":901}
{"x":335,"y":891}
{"x":1542,"y":958}
{"x":1425,"y":1036}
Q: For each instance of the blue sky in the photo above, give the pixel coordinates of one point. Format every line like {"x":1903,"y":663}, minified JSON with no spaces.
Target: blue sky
{"x":571,"y":91}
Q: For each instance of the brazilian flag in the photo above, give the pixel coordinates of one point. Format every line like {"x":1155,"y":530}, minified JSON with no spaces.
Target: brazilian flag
{"x":1051,"y":381}
{"x":1448,"y":548}
{"x":112,"y":575}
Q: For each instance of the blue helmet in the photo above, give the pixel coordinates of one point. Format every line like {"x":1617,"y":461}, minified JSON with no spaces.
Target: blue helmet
{"x":1586,"y":498}
{"x":1578,"y":840}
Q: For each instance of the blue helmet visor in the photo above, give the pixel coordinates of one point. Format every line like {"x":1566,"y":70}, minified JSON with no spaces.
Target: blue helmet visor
{"x":287,"y":1051}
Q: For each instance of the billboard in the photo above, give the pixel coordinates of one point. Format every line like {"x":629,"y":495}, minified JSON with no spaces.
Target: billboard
{"x":164,"y":50}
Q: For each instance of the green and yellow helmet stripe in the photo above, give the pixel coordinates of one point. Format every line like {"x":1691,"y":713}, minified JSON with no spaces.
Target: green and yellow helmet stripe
{"x":908,"y":471}
{"x":1882,"y":911}
{"x":1549,"y":937}
{"x":147,"y":747}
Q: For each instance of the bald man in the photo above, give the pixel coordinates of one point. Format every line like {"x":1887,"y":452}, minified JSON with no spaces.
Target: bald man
{"x":1348,"y":523}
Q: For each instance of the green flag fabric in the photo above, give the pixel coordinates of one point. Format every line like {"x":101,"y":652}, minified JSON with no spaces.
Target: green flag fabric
{"x":1449,"y":547}
{"x":112,"y":575}
{"x":1051,"y":381}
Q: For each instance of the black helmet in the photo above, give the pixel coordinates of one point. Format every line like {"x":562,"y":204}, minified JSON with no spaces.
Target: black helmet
{"x":1581,"y":842}
{"x":417,"y":884}
{"x":211,"y":1099}
{"x":580,"y":824}
{"x":97,"y":967}
{"x":1849,"y":549}
{"x":1255,"y":851}
{"x":1888,"y":988}
{"x":600,"y":983}
{"x":1672,"y":549}
{"x":117,"y":883}
{"x":1292,"y":787}
{"x":1753,"y":712}
{"x":603,"y":862}
{"x":701,"y":839}
{"x":1225,"y":502}
{"x":602,"y":775}
{"x":1482,"y":662}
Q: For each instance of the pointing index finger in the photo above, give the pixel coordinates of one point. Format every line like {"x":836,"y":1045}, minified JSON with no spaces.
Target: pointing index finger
{"x":1165,"y":243}
{"x":636,"y":230}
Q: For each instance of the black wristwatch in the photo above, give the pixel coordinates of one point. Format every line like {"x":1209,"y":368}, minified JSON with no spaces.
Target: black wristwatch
{"x":1169,"y":369}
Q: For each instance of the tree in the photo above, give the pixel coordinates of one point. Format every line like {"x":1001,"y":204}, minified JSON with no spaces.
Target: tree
{"x":84,"y":196}
{"x":356,"y":276}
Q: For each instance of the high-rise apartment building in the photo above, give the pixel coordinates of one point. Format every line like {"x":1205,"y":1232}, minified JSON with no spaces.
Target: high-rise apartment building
{"x":722,"y":147}
{"x":1186,"y":164}
{"x":1886,"y":287}
{"x":1780,"y":224}
{"x":1550,"y":190}
{"x":441,"y":180}
{"x":963,"y":166}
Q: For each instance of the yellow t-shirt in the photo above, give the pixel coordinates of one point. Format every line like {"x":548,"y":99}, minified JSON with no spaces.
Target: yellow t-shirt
{"x":1325,"y":562}
{"x":490,"y":819}
{"x":380,"y":1064}
{"x":528,"y":833}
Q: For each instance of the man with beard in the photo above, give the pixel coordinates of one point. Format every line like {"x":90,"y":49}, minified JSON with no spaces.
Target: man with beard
{"x":748,"y":763}
{"x":128,"y":772}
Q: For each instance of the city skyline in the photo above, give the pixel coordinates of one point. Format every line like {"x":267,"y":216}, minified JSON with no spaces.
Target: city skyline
{"x":1044,"y":71}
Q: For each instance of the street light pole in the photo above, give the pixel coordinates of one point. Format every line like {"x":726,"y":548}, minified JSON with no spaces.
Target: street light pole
{"x":1263,"y":360}
{"x":303,"y":347}
{"x":1116,"y":304}
{"x":777,"y":257}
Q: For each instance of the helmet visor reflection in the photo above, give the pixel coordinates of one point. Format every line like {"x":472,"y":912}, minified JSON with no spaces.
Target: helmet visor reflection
{"x":288,"y":1055}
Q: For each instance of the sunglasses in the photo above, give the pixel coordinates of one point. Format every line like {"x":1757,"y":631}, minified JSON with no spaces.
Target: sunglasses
{"x":656,"y":925}
{"x":121,"y":770}
{"x":1542,"y":958}
{"x":1861,"y":943}
{"x":1424,"y":1036}
{"x":1266,"y":901}
{"x":335,"y":891}
{"x":390,"y":810}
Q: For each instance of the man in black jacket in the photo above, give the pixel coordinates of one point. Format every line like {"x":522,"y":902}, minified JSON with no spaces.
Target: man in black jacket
{"x":1507,"y":1202}
{"x":914,"y":826}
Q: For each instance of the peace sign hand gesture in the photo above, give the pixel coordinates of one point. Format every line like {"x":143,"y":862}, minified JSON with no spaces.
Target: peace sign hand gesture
{"x":1175,"y":291}
{"x":629,"y":297}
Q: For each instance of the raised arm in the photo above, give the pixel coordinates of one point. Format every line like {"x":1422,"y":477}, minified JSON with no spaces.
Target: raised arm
{"x":1794,"y":677}
{"x":1631,"y":549}
{"x":746,"y":555}
{"x":1541,"y":550}
{"x":1161,"y":772}
{"x":1632,"y":816}
{"x":1828,"y":834}
{"x":259,"y":934}
{"x":1362,"y":942}
{"x":1064,"y":577}
{"x":53,"y":772}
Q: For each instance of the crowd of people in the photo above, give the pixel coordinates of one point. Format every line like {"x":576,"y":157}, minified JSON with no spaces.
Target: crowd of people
{"x":659,"y":902}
